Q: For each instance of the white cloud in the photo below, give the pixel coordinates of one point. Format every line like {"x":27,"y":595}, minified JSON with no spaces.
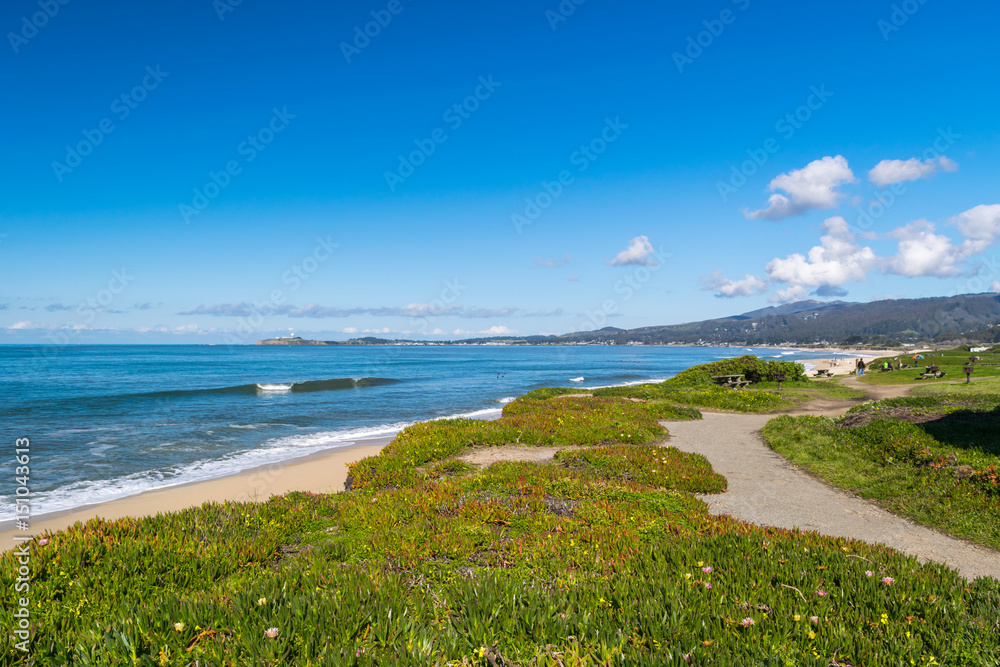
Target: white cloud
{"x":186,"y":328}
{"x":574,"y":278}
{"x":383,"y":330}
{"x":725,"y":287}
{"x":814,"y":187}
{"x":350,"y":330}
{"x":499,"y":331}
{"x":492,"y":331}
{"x":888,"y":172}
{"x":923,"y":253}
{"x":794,"y":293}
{"x":995,"y":286}
{"x":25,"y":324}
{"x":981,"y":223}
{"x":639,"y":252}
{"x":837,"y":260}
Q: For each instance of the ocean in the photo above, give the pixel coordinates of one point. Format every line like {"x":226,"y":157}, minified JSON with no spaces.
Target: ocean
{"x":107,"y":421}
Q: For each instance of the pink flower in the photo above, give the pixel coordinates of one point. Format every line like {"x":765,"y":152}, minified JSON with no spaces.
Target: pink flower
{"x":869,"y":573}
{"x":707,"y":569}
{"x":42,"y":542}
{"x":821,"y":593}
{"x":814,"y":619}
{"x":271,"y":632}
{"x":888,"y":581}
{"x":708,"y":585}
{"x":746,"y":622}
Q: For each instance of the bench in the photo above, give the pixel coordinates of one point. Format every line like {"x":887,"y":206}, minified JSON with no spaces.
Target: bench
{"x":732,"y":381}
{"x":932,"y":375}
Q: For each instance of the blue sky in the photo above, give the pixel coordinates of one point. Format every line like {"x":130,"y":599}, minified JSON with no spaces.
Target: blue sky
{"x":207,"y":172}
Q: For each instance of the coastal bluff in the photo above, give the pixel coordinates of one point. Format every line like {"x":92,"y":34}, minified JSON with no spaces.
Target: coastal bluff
{"x":294,"y":340}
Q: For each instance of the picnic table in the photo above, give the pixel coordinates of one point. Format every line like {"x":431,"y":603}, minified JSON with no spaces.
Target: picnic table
{"x":932,"y":372}
{"x":823,"y":373}
{"x":734,"y":381}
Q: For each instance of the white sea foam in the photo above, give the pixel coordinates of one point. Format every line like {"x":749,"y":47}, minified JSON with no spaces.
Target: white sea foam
{"x":274,"y":387}
{"x":579,"y":379}
{"x":630,"y":383}
{"x":270,"y":452}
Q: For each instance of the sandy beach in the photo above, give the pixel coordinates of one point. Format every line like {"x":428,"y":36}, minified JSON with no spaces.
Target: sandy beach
{"x":323,"y":472}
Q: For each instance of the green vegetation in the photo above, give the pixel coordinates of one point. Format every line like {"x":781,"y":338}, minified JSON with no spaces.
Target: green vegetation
{"x":934,"y":459}
{"x":532,"y":420}
{"x":704,"y":396}
{"x":815,"y":388}
{"x":949,"y":361}
{"x":695,"y":387}
{"x":753,"y":368}
{"x":976,"y":387}
{"x":601,"y":557}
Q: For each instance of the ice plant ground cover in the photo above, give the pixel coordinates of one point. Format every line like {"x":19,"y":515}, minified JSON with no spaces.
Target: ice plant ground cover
{"x":602,"y":556}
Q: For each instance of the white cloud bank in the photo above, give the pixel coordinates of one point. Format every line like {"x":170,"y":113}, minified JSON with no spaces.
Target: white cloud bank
{"x":725,"y":287}
{"x":837,"y":260}
{"x":840,"y":259}
{"x":814,"y":187}
{"x":888,"y":172}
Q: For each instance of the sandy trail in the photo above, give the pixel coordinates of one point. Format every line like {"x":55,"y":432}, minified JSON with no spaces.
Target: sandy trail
{"x":765,"y":489}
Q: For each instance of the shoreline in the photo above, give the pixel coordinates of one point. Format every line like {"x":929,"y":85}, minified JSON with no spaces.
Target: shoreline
{"x":324,"y":471}
{"x":320,"y":472}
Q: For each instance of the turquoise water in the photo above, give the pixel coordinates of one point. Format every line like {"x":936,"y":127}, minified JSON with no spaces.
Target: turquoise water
{"x":110,"y":421}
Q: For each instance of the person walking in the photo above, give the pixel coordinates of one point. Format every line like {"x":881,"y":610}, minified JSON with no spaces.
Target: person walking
{"x":861,"y":367}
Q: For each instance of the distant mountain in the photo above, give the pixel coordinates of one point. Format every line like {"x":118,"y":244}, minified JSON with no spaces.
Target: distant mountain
{"x":964,"y":318}
{"x":793,"y":308}
{"x":973,"y":317}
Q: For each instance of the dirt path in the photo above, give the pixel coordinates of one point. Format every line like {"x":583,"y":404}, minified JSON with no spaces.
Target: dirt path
{"x":765,"y":489}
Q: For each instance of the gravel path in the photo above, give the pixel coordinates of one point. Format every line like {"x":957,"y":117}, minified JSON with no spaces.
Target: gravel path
{"x":765,"y":489}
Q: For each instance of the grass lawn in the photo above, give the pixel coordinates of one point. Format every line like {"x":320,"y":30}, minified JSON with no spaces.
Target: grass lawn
{"x":977,"y":387}
{"x":934,"y":459}
{"x":950,"y":361}
{"x":814,"y":388}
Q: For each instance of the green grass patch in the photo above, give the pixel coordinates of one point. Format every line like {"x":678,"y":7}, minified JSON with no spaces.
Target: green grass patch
{"x":934,"y":461}
{"x":952,"y":389}
{"x":814,"y":388}
{"x":949,"y":361}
